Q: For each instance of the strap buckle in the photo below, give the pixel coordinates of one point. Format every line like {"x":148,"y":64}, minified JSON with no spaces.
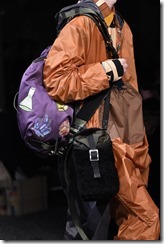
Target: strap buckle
{"x":94,"y":155}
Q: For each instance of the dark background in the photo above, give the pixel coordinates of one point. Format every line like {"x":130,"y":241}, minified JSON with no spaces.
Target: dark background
{"x":26,"y":28}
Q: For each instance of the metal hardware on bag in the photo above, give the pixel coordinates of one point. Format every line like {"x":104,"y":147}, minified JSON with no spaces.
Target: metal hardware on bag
{"x":94,"y":155}
{"x":77,"y":126}
{"x":73,"y":130}
{"x":94,"y":158}
{"x":61,"y":151}
{"x":79,"y":123}
{"x":62,"y":148}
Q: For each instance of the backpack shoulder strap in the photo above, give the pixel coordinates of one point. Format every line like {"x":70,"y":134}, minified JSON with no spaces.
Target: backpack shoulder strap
{"x":68,"y":13}
{"x":120,"y":19}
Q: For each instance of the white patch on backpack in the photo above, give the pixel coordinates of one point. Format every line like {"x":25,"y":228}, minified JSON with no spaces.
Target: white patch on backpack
{"x":26,"y":103}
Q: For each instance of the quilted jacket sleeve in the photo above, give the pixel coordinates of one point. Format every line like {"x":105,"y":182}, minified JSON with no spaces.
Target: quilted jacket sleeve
{"x":72,"y":69}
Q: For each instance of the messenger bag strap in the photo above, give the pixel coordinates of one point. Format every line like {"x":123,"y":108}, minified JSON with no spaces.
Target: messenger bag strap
{"x":88,"y":109}
{"x":106,"y":111}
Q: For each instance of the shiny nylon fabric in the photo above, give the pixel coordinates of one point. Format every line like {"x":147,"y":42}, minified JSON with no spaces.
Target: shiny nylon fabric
{"x":73,"y":72}
{"x":132,"y":161}
{"x":76,"y":73}
{"x":126,"y":115}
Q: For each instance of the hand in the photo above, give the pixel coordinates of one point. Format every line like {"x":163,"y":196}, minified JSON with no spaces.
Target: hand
{"x":124,"y":64}
{"x":64,"y":128}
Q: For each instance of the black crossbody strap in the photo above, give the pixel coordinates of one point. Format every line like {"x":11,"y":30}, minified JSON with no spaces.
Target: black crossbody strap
{"x":88,"y":109}
{"x":106,"y":112}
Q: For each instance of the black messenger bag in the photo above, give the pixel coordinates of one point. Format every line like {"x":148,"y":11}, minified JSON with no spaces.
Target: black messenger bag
{"x":94,"y":163}
{"x":92,"y":154}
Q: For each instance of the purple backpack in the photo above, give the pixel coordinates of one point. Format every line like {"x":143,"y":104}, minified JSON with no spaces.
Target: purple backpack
{"x":38,"y":115}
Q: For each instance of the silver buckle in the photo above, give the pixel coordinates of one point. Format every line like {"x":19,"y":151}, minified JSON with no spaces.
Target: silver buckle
{"x":94,"y":155}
